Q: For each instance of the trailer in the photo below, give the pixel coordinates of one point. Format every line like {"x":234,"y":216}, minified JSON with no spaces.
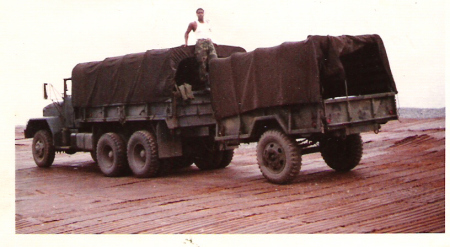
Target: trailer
{"x":317,"y":95}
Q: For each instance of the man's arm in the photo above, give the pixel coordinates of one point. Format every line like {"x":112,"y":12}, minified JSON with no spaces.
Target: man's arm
{"x":190,"y":28}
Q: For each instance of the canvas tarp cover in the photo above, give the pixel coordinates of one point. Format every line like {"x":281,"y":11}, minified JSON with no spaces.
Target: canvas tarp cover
{"x":135,"y":78}
{"x":297,"y":73}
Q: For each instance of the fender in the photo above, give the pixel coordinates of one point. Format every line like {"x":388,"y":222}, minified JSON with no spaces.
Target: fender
{"x":53,"y":124}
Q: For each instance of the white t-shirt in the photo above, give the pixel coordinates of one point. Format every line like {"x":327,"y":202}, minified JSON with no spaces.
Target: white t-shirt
{"x":203,"y":30}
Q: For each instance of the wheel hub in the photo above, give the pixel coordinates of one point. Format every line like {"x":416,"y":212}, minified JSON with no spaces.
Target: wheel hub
{"x":39,"y":148}
{"x":139,"y":156}
{"x":108,"y":154}
{"x":274,"y":157}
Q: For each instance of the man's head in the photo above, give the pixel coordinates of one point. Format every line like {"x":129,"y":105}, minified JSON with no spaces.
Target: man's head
{"x":200,"y":13}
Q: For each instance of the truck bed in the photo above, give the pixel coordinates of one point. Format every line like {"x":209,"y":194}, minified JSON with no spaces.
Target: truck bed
{"x":176,"y":112}
{"x":355,"y":111}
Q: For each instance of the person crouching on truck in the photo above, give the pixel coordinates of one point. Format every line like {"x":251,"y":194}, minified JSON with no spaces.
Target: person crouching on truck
{"x":204,"y":48}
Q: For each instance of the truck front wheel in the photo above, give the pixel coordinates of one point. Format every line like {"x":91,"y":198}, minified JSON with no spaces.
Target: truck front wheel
{"x":279,"y":157}
{"x":342,"y":154}
{"x":143,"y":154}
{"x":43,"y":149}
{"x":111,"y":155}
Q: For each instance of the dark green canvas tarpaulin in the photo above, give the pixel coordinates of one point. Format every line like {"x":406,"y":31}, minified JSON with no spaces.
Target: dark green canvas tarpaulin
{"x":135,"y":78}
{"x":300,"y":73}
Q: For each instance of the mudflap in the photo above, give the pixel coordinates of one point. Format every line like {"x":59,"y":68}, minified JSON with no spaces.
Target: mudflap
{"x":169,"y":145}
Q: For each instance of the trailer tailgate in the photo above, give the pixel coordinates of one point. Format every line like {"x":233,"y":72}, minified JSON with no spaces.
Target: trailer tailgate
{"x":360,"y":110}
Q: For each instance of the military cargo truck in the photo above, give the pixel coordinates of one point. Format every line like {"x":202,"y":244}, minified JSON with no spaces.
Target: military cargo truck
{"x":127,"y":112}
{"x":316,"y":95}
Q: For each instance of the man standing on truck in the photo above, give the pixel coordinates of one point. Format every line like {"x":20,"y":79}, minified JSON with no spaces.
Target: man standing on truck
{"x":204,"y":48}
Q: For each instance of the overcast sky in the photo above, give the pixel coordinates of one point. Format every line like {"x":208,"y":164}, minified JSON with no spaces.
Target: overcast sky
{"x":42,"y":40}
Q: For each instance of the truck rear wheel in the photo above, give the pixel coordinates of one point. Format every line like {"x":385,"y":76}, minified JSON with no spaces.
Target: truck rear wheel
{"x":94,"y":155}
{"x":182,"y":162}
{"x":143,"y":154}
{"x":208,"y":160}
{"x":43,"y":149}
{"x":205,"y":154}
{"x":279,"y":157}
{"x":342,"y":154}
{"x":214,"y":159}
{"x":111,"y":155}
{"x":165,"y":167}
{"x":227,"y":156}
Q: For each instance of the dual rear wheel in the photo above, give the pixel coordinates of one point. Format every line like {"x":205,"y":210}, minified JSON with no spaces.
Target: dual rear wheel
{"x":205,"y":160}
{"x":213,"y":159}
{"x":141,"y":156}
{"x":111,"y":155}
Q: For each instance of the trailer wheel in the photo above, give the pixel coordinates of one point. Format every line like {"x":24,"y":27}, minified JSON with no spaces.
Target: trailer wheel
{"x":342,"y":154}
{"x":279,"y":157}
{"x":111,"y":155}
{"x":43,"y":149}
{"x":143,"y":154}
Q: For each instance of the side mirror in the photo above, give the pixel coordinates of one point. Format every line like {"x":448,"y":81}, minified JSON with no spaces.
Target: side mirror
{"x":45,"y":91}
{"x":66,"y":87}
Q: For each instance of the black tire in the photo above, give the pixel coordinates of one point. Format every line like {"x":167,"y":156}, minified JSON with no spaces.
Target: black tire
{"x":214,"y":159}
{"x":111,"y":155}
{"x":143,"y":154}
{"x":227,"y":157}
{"x":205,"y":154}
{"x":94,"y":155}
{"x":279,"y":157}
{"x":182,"y":162}
{"x":342,"y":154}
{"x":208,"y":159}
{"x":43,"y":148}
{"x":166,"y":166}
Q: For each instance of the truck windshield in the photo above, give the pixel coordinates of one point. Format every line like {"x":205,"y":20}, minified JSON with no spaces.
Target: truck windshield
{"x":67,"y":87}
